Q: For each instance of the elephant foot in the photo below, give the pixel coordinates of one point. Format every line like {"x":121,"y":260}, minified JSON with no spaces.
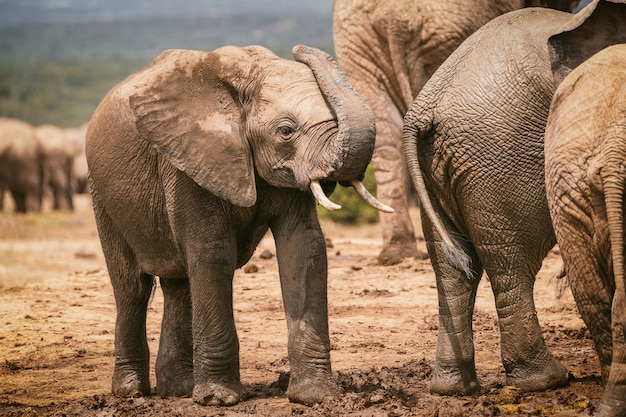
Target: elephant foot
{"x":613,"y":403}
{"x":129,"y":383}
{"x":310,"y":391}
{"x":393,"y":254}
{"x":538,"y":378}
{"x":454,"y":382}
{"x":174,"y":383}
{"x":218,"y":394}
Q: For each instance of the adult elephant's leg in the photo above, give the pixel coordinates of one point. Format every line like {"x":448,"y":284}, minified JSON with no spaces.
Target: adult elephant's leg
{"x":590,"y":284}
{"x":132,"y":290}
{"x":174,"y":364}
{"x":455,"y":371}
{"x":301,"y":254}
{"x":19,"y":198}
{"x":614,"y":397}
{"x":525,"y":356}
{"x":392,"y":186}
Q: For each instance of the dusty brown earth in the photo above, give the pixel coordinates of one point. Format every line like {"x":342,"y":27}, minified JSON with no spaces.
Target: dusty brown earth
{"x":57,"y":317}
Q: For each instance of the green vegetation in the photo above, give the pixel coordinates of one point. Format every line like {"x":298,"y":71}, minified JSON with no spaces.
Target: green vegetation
{"x":64,"y":93}
{"x":58,"y":72}
{"x":353,"y":209}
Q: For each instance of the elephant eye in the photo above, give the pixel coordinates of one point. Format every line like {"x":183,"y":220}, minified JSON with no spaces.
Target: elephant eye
{"x":286,"y":132}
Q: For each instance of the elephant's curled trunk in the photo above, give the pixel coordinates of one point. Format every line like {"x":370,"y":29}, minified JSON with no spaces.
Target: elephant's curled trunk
{"x":410,"y":136}
{"x":356,"y":134}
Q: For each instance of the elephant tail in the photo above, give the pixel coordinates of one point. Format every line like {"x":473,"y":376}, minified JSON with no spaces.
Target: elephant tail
{"x":417,"y":126}
{"x":613,"y":184}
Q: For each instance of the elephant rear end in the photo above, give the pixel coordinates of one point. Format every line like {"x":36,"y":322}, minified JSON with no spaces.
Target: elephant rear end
{"x":123,"y":173}
{"x":585,"y":183}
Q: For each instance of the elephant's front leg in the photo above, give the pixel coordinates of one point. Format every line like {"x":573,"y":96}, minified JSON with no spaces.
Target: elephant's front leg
{"x":301,"y":253}
{"x":215,"y":342}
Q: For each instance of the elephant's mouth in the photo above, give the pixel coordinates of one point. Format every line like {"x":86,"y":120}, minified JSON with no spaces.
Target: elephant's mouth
{"x":318,"y":192}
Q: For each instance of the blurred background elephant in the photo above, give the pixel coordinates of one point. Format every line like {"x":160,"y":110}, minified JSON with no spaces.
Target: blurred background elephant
{"x":388,"y":50}
{"x":76,"y":138}
{"x":58,"y":163}
{"x":191,"y":161}
{"x":21,"y":166}
{"x":585,"y":159}
{"x":473,"y":142}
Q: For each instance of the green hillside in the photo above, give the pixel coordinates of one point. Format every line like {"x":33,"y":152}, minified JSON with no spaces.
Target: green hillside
{"x":58,"y":72}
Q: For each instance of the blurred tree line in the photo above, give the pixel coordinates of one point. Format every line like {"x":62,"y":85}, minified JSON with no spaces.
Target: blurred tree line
{"x":58,"y":72}
{"x":63,"y":93}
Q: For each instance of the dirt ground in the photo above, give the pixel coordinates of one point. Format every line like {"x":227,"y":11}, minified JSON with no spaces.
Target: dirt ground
{"x":57,"y":319}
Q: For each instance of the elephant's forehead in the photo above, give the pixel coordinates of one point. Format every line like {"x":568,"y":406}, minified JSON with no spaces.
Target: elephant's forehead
{"x":294,"y":91}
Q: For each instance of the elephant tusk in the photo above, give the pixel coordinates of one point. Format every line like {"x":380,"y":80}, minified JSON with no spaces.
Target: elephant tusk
{"x":321,"y":198}
{"x":370,"y":199}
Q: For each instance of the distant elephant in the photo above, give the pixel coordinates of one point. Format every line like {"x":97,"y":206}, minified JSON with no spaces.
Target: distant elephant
{"x":585,"y":159}
{"x":473,"y":142}
{"x":58,"y":162}
{"x":76,"y":138}
{"x":191,"y":161}
{"x":388,"y":50}
{"x":20,"y":165}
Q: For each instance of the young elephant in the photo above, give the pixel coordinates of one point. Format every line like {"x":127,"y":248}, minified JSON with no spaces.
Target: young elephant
{"x":585,"y":179}
{"x":473,"y":142}
{"x":191,"y":161}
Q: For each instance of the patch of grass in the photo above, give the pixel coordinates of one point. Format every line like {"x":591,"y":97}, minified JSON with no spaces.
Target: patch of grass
{"x":353,"y":209}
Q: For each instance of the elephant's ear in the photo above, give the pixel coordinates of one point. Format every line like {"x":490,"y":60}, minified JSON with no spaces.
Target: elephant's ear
{"x":192,"y":116}
{"x":599,"y":25}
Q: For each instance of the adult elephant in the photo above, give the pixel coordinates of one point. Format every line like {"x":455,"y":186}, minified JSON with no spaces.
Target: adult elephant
{"x":191,"y":161}
{"x":473,"y":141}
{"x":585,"y":159}
{"x":389,"y":50}
{"x":20,"y":165}
{"x":58,"y":162}
{"x":76,"y":138}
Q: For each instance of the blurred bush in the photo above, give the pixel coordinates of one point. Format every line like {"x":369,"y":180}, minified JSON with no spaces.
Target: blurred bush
{"x":353,"y":209}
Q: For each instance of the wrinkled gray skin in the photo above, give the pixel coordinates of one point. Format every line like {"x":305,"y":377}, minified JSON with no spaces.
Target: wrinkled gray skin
{"x":473,"y":141}
{"x":388,"y":50}
{"x":585,"y":153}
{"x":191,"y":161}
{"x":20,"y":165}
{"x":58,"y":162}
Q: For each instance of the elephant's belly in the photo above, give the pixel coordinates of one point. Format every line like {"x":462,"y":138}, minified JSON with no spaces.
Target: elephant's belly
{"x":159,"y":258}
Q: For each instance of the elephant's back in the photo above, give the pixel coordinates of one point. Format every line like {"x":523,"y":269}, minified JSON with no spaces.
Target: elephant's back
{"x":16,"y":136}
{"x":588,"y":110}
{"x":497,"y":84}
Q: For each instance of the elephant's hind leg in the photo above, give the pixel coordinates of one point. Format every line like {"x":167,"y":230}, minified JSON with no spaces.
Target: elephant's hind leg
{"x":131,"y":377}
{"x":455,"y":371}
{"x":132,"y":290}
{"x":174,"y":364}
{"x":525,"y":356}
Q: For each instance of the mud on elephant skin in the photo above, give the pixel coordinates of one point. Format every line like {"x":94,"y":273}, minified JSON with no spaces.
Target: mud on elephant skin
{"x":191,"y":161}
{"x":473,"y":140}
{"x":585,"y":159}
{"x":388,"y":50}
